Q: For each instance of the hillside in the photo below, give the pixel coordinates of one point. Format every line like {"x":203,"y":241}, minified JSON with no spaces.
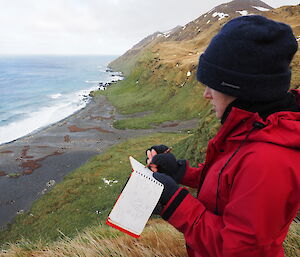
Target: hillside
{"x":182,"y":46}
{"x":190,"y":30}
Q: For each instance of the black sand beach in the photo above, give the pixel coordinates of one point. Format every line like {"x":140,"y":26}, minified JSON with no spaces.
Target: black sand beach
{"x":32,"y":165}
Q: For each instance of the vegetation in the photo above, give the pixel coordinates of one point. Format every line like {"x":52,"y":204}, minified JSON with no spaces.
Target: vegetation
{"x":85,"y":197}
{"x":105,"y":241}
{"x":160,"y":86}
{"x":166,"y":100}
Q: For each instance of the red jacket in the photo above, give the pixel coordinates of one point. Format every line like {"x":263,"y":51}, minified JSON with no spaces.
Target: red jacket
{"x":251,"y":176}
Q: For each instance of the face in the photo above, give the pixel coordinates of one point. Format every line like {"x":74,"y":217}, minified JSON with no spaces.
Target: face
{"x":218,"y":100}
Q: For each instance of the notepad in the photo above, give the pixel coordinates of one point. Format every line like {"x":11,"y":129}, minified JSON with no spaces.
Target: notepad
{"x":136,"y":202}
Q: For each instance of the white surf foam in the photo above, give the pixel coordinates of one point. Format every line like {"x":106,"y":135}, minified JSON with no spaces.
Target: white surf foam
{"x":65,"y":106}
{"x":55,"y":96}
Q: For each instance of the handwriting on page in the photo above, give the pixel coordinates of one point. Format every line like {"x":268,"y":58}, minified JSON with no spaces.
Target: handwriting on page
{"x":135,"y":204}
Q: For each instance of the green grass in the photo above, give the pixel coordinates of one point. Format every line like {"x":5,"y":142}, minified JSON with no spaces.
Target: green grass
{"x":166,"y":99}
{"x":82,"y":199}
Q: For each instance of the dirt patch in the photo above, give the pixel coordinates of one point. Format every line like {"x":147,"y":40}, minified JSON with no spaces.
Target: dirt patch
{"x":2,"y":173}
{"x":8,"y":151}
{"x":170,"y":125}
{"x":25,"y":151}
{"x":67,"y":139}
{"x":30,"y":165}
{"x":77,"y":129}
{"x":102,"y":130}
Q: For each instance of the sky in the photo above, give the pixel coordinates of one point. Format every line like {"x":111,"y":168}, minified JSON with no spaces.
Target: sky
{"x":93,"y":27}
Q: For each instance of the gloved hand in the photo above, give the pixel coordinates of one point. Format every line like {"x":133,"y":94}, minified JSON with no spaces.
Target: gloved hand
{"x":155,"y":149}
{"x":167,"y":163}
{"x":170,"y":186}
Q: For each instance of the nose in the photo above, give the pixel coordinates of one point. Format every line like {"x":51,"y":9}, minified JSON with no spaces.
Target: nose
{"x":207,"y":93}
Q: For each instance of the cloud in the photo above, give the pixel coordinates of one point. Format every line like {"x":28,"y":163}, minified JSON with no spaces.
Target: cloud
{"x":90,"y":26}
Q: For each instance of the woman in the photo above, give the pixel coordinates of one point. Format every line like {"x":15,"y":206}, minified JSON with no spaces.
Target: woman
{"x":249,"y":185}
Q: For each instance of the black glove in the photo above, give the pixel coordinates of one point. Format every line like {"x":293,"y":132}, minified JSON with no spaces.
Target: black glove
{"x":158,"y":209}
{"x":167,"y":163}
{"x":170,"y":186}
{"x":158,"y":149}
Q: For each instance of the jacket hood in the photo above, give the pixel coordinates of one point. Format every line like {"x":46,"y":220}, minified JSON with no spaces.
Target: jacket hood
{"x":280,"y":128}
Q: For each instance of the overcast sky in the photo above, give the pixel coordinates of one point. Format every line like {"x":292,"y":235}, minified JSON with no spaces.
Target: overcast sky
{"x":93,"y":26}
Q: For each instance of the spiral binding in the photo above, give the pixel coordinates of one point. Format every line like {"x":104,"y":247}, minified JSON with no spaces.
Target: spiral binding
{"x":149,"y":178}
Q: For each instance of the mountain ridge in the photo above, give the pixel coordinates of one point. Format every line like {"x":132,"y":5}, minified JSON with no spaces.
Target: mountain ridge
{"x":191,"y":30}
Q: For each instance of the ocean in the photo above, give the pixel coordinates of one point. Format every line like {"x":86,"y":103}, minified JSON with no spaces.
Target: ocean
{"x":36,"y":91}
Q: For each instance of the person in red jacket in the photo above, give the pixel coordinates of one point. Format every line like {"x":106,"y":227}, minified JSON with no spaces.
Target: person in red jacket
{"x":249,"y":185}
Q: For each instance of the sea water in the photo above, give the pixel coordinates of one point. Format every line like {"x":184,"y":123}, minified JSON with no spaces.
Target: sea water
{"x":36,"y":91}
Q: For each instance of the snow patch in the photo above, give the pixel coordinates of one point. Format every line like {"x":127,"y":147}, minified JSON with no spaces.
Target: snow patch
{"x":188,"y":74}
{"x":184,"y":28}
{"x":262,"y":9}
{"x":221,"y":15}
{"x":167,"y":33}
{"x":243,"y":13}
{"x":208,"y":22}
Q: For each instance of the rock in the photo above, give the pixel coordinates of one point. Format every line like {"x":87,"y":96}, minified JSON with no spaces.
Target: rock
{"x":20,"y":212}
{"x":50,"y":183}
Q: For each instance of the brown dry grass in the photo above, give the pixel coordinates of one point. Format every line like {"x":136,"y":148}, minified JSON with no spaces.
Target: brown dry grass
{"x":158,"y":239}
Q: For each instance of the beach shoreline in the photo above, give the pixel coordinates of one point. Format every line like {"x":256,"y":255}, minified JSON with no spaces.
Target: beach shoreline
{"x":30,"y":166}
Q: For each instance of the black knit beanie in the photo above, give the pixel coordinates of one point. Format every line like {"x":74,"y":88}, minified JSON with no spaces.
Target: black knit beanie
{"x":249,"y":58}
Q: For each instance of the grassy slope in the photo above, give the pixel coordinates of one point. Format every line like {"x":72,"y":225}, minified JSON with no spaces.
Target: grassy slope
{"x":82,"y":199}
{"x":152,"y":87}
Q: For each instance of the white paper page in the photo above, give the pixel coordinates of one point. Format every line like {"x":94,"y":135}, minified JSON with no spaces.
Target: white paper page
{"x":137,"y":200}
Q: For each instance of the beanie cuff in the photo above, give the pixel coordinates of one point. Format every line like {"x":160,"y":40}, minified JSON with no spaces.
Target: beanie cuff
{"x":258,"y":88}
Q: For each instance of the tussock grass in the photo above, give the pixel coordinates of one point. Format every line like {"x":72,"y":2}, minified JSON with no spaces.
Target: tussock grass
{"x":292,"y":241}
{"x":158,"y":239}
